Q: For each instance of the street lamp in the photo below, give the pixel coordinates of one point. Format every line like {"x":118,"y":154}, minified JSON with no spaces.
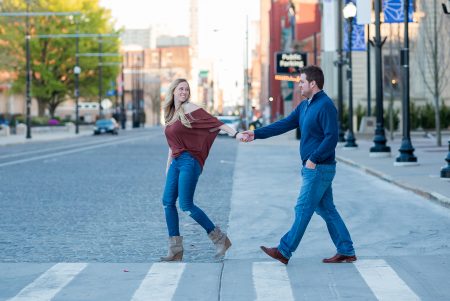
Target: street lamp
{"x":270,"y":109}
{"x":406,"y":150}
{"x":380,"y":149}
{"x":122,"y":98}
{"x":339,"y":63}
{"x":349,"y":13}
{"x":77,"y":71}
{"x":100,"y":76}
{"x":445,"y":171}
{"x":28,"y":71}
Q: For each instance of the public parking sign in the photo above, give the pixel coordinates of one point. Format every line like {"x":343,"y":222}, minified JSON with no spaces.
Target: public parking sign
{"x":288,"y":65}
{"x":290,"y":62}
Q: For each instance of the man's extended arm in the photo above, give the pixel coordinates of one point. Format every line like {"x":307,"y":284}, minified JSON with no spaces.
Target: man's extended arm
{"x":276,"y":128}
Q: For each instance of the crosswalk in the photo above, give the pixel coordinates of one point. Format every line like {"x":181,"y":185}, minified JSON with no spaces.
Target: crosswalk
{"x":236,"y":280}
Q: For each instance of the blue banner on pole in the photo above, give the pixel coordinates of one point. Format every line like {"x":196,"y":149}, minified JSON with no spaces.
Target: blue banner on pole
{"x":393,"y":11}
{"x":358,"y":37}
{"x":358,"y":34}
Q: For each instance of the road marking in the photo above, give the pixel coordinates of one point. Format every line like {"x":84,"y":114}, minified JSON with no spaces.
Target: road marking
{"x":271,"y":281}
{"x":75,"y":150}
{"x":43,"y":150}
{"x":383,"y":281}
{"x":50,"y":283}
{"x":160,"y":282}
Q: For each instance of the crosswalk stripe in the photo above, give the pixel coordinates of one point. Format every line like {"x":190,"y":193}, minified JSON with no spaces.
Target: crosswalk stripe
{"x":50,"y":283}
{"x":383,"y":281}
{"x":271,"y":281}
{"x":160,"y":282}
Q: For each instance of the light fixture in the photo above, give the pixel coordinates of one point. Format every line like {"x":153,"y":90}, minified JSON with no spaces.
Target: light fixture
{"x":349,"y":10}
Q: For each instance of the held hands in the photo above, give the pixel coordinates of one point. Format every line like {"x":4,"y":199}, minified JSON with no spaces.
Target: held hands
{"x":246,"y":136}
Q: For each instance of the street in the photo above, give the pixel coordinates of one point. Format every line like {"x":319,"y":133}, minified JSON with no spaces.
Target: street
{"x":98,"y":199}
{"x":82,"y":219}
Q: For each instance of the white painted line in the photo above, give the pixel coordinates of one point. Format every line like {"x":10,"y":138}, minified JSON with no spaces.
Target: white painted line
{"x":50,"y":283}
{"x":160,"y":282}
{"x":384,"y":281}
{"x":77,"y":150}
{"x":271,"y":282}
{"x":50,"y":149}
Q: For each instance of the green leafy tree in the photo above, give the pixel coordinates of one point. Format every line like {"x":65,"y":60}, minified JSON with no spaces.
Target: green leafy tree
{"x":53,"y":59}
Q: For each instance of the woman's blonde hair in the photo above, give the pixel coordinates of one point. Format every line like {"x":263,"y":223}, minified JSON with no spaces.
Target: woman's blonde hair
{"x":172,"y":114}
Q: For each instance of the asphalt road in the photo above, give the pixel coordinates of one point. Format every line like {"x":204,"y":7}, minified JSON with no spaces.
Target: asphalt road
{"x":82,"y":219}
{"x":98,"y":199}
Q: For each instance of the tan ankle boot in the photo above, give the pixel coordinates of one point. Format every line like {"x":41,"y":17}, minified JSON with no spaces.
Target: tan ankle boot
{"x":220,"y":240}
{"x":175,"y":252}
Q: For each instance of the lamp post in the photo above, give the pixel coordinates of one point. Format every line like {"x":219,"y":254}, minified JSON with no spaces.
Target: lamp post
{"x":445,"y":171}
{"x":28,"y":71}
{"x":122,"y":98}
{"x":339,"y":64}
{"x":369,"y":96}
{"x":380,"y":149}
{"x":76,"y":72}
{"x":100,"y":77}
{"x":406,"y":150}
{"x":349,"y":13}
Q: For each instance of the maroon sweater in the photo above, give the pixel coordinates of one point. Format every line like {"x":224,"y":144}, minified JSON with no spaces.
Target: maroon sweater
{"x":196,"y":140}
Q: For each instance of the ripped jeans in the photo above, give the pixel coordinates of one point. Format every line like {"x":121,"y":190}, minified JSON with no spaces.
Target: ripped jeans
{"x":181,"y":181}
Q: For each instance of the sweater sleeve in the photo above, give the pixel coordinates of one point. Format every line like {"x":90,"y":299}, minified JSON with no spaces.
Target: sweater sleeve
{"x":329,"y":123}
{"x":279,"y":127}
{"x":203,"y":120}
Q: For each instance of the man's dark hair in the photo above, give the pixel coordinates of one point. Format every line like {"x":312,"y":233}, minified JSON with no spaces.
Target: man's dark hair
{"x":313,"y":73}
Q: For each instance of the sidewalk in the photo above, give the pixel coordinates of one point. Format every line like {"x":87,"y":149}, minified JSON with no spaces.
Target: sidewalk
{"x":423,"y":179}
{"x":42,"y":137}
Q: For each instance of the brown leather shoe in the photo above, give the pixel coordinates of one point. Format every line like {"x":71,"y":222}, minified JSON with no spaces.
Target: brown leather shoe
{"x":275,"y":254}
{"x":338,"y":258}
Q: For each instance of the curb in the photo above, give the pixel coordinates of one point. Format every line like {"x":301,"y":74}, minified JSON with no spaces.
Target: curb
{"x":430,"y":195}
{"x":49,"y":138}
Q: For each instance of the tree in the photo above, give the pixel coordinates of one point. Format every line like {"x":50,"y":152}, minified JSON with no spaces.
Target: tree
{"x":53,"y":60}
{"x":434,"y":66}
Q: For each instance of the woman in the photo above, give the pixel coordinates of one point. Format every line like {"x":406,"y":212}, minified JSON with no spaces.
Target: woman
{"x":190,"y":132}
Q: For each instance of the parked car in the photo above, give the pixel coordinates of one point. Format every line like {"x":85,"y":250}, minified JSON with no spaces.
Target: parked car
{"x":103,"y":126}
{"x":233,"y":122}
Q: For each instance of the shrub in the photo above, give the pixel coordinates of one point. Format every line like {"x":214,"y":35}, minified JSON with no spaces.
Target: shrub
{"x":53,"y":122}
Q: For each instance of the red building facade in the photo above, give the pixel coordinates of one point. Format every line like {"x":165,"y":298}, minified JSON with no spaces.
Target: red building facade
{"x":307,"y":24}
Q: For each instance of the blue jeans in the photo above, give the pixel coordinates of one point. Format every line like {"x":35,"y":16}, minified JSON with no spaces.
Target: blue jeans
{"x":181,"y":181}
{"x":316,"y":195}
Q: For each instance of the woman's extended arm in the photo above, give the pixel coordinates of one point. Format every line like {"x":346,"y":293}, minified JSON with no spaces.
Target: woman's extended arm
{"x":230,"y":131}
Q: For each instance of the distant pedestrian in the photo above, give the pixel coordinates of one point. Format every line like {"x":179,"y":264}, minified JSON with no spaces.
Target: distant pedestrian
{"x":190,"y":132}
{"x":316,"y":118}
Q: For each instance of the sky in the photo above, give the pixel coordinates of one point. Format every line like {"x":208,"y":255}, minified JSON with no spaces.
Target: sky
{"x":221,"y":27}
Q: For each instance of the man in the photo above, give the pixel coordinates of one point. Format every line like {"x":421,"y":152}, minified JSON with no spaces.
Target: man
{"x":316,"y":118}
